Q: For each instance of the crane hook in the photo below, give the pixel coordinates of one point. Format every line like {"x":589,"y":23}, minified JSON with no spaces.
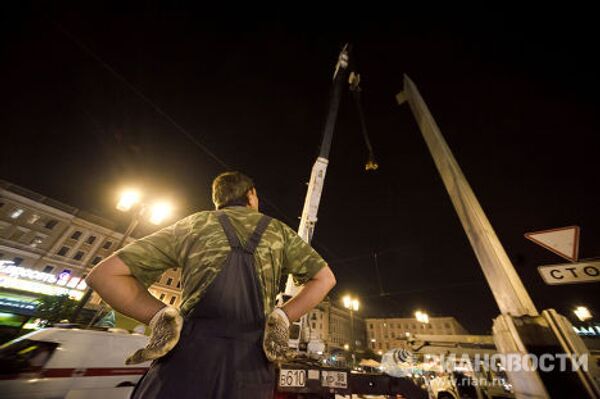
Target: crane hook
{"x":354,"y":81}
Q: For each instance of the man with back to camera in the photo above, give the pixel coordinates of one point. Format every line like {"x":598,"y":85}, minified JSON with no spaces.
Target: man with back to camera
{"x":229,"y":333}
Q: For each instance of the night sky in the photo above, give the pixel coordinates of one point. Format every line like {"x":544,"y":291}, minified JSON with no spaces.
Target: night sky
{"x":164,"y":96}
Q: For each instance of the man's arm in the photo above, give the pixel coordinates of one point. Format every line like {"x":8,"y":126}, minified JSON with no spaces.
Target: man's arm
{"x":113,"y":281}
{"x":312,"y":293}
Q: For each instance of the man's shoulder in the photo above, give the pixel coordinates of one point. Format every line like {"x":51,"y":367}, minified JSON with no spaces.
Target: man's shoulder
{"x":278,"y":231}
{"x":192,"y":223}
{"x":244,"y":213}
{"x":194,"y":218}
{"x":250,"y":217}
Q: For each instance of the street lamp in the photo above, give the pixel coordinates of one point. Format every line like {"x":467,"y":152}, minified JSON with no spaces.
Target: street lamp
{"x":352,"y":305}
{"x":582,"y":313}
{"x":422,"y":317}
{"x":159,"y":212}
{"x":130,"y":200}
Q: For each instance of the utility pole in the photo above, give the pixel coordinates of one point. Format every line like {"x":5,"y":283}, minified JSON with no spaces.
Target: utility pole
{"x":519,"y":329}
{"x":506,"y":286}
{"x":381,"y":292}
{"x":352,"y":304}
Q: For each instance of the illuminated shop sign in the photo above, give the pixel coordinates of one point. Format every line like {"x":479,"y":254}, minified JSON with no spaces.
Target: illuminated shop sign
{"x":21,"y":278}
{"x":588,"y":331}
{"x":18,"y":305}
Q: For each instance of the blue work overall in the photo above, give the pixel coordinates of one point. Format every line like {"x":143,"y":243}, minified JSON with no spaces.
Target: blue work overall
{"x":219,"y":354}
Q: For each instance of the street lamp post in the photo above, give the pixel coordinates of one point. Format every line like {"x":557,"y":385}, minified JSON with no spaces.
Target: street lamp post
{"x":422,"y":317}
{"x":352,"y":305}
{"x":582,"y":313}
{"x":88,"y":293}
{"x":129,"y":200}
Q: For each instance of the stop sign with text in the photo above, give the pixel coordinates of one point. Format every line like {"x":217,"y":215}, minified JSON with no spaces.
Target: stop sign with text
{"x":571,"y":273}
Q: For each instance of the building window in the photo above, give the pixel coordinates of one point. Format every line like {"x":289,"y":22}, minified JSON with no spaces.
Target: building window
{"x":162,"y":296}
{"x":96,"y":260}
{"x":314,"y":325}
{"x":17,"y":235}
{"x":33,"y":218}
{"x":91,"y":239}
{"x":17,"y":261}
{"x":172,"y":301}
{"x":36,"y":241}
{"x":76,"y":235}
{"x":371,"y":326}
{"x":50,"y":224}
{"x":48,"y":269}
{"x":446,"y":325}
{"x":79,"y":255}
{"x":63,"y":251}
{"x":107,"y":245}
{"x":16,"y":213}
{"x":179,"y":284}
{"x":169,"y":281}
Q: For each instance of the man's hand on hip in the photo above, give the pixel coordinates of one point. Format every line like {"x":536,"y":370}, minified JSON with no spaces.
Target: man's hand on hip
{"x":276,"y":339}
{"x":166,"y":326}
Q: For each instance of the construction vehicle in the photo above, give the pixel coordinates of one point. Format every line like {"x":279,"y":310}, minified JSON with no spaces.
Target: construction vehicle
{"x":307,"y":376}
{"x":341,"y":77}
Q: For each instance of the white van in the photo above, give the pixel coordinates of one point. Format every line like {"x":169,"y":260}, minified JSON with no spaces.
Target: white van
{"x":51,"y":362}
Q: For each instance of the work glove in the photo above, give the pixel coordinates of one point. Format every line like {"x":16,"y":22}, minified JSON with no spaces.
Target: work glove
{"x":166,"y":326}
{"x":277,"y":336}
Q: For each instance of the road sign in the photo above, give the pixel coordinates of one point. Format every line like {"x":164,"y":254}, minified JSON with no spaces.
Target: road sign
{"x":571,"y":273}
{"x":563,"y":241}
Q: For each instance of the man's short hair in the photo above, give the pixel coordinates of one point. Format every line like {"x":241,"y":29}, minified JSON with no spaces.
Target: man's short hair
{"x":231,"y":188}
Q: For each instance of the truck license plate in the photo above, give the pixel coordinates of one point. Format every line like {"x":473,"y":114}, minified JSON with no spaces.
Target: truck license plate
{"x":292,"y":378}
{"x":334,"y":379}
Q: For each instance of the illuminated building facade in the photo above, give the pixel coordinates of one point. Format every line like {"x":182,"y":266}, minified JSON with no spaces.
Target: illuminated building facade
{"x":389,"y":333}
{"x":47,"y":248}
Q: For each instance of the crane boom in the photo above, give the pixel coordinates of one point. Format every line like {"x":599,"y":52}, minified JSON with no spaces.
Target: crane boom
{"x":312,"y":200}
{"x":319,"y":169}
